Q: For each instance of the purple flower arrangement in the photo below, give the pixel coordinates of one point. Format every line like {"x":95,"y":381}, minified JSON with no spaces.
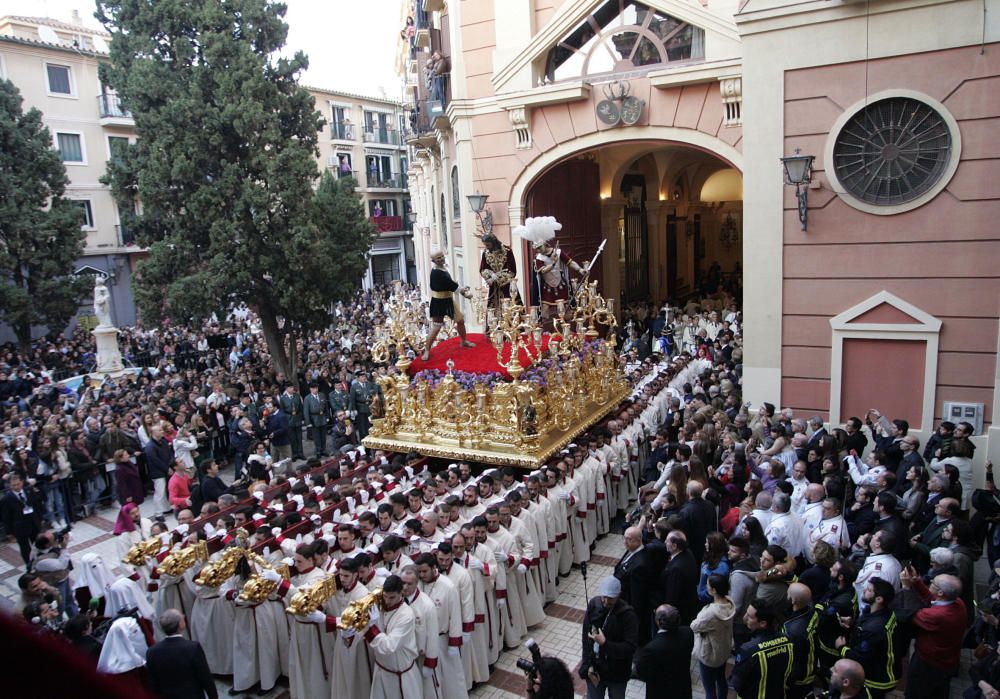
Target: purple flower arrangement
{"x":465,"y":379}
{"x":538,"y":373}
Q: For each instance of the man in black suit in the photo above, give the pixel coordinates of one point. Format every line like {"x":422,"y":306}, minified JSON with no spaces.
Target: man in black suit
{"x":631,"y":572}
{"x":818,"y":432}
{"x":861,"y":518}
{"x":176,"y":667}
{"x":699,"y":519}
{"x":680,"y":577}
{"x":666,"y":660}
{"x":21,"y":513}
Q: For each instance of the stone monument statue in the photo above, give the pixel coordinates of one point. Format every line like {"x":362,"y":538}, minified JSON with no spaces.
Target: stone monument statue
{"x":102,"y":303}
{"x":109,"y":357}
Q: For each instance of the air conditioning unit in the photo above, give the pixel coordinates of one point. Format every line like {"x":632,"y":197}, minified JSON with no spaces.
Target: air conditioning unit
{"x":332,"y":161}
{"x":964,"y":412}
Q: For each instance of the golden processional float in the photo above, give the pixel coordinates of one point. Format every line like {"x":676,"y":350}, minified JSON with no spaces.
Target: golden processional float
{"x":553,"y":385}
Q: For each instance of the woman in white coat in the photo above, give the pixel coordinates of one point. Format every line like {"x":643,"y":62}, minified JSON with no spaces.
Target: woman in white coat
{"x":961,"y":459}
{"x":185,"y":445}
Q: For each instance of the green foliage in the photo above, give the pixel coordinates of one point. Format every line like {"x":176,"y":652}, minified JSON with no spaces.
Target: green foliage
{"x":40,"y":236}
{"x":224,"y":164}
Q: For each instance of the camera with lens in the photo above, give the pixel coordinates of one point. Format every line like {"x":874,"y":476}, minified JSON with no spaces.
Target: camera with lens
{"x":530,"y":667}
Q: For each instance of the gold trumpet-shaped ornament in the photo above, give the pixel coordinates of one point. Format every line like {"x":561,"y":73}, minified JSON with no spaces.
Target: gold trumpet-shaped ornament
{"x":216,"y":572}
{"x":258,"y":588}
{"x":142,"y":550}
{"x":312,"y":596}
{"x":358,"y":612}
{"x":179,"y":562}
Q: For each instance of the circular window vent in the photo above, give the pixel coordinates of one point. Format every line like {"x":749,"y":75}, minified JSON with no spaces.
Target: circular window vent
{"x":894,"y":152}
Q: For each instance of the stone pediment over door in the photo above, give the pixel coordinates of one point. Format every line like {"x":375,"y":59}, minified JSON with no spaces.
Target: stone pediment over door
{"x":884,"y":338}
{"x":884,"y":311}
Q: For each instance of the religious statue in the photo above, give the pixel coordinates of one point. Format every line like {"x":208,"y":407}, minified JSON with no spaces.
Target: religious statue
{"x":498,"y":269}
{"x":102,"y":303}
{"x":109,"y":357}
{"x":443,"y":288}
{"x":552,"y":265}
{"x":530,"y":419}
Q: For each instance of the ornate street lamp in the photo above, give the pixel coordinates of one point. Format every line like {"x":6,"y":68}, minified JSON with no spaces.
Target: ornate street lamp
{"x":798,"y":171}
{"x":478,"y":203}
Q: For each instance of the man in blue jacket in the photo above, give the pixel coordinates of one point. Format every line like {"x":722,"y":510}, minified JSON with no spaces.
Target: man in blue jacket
{"x":277,"y":428}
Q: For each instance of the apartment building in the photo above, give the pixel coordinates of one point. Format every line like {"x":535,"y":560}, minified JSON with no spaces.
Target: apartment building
{"x":363,"y":139}
{"x":55,"y":66}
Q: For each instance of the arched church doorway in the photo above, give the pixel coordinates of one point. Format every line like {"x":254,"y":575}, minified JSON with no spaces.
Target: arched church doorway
{"x":671,"y":214}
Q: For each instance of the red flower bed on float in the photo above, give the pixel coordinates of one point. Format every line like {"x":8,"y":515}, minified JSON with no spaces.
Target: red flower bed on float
{"x":481,"y":359}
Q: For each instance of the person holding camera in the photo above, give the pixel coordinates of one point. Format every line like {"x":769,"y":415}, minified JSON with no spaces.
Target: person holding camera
{"x":610,"y":638}
{"x":52,"y":564}
{"x":548,"y":679}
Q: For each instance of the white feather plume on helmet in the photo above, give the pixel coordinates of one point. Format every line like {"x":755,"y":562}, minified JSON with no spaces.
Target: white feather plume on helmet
{"x":538,"y":230}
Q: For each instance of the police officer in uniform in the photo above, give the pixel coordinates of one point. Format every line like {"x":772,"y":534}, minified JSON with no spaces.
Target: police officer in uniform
{"x":763,"y":664}
{"x":362,"y":391}
{"x":317,"y":418}
{"x":291,"y":404}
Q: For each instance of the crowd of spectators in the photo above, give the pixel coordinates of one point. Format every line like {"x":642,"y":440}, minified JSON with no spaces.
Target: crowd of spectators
{"x":778,"y":553}
{"x":814,"y":554}
{"x":192,"y":401}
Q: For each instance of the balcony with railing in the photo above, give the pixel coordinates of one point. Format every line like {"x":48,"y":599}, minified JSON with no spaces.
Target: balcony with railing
{"x":126,"y":238}
{"x":341,"y":174}
{"x":419,"y":131}
{"x":380,"y":181}
{"x":386,"y":135}
{"x":388,"y":224}
{"x":111,"y":111}
{"x":422,"y":21}
{"x":340,"y":131}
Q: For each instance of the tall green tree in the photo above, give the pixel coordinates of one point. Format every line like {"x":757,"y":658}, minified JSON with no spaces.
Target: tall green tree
{"x":224,"y":165}
{"x":40,"y":235}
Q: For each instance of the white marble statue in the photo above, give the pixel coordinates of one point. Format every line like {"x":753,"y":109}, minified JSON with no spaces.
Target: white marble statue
{"x":102,"y":303}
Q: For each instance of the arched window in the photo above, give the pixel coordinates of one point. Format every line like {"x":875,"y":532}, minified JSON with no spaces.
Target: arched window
{"x":622,"y":36}
{"x":444,"y":225}
{"x":456,"y":197}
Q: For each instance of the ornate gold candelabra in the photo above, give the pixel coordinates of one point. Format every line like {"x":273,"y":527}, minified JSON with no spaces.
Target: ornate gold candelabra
{"x":257,"y":588}
{"x":405,"y":327}
{"x":516,"y":324}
